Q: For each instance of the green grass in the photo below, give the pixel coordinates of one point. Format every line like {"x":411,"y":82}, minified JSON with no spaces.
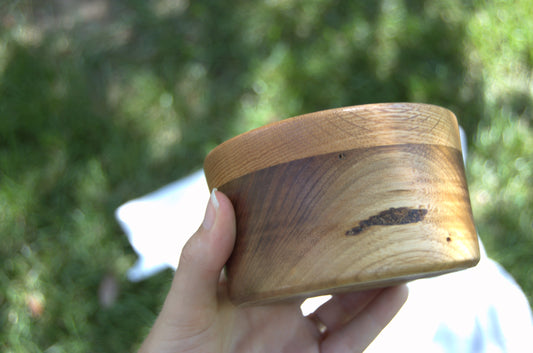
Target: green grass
{"x":99,"y":105}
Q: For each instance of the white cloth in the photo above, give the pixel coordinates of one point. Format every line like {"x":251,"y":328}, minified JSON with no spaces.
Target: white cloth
{"x":159,"y":224}
{"x":481,"y":309}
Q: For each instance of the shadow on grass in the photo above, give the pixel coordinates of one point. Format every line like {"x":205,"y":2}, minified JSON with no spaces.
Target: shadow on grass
{"x":78,"y":153}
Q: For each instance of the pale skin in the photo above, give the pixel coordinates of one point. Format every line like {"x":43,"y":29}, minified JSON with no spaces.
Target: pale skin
{"x":198,"y":317}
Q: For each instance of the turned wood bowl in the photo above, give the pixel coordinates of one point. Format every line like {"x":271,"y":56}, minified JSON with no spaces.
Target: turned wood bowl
{"x":345,"y":199}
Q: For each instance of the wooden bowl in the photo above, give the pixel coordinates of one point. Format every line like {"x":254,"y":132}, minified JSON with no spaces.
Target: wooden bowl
{"x":345,"y":199}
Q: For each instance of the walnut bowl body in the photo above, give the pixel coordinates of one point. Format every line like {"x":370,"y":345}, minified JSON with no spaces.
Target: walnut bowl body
{"x":345,"y":199}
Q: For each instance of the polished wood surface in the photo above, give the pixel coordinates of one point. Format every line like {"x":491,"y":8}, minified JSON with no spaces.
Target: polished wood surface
{"x":375,"y":196}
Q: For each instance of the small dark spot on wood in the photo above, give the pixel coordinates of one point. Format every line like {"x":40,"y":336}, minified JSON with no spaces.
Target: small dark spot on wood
{"x":448,"y":239}
{"x":392,"y":216}
{"x":342,"y":155}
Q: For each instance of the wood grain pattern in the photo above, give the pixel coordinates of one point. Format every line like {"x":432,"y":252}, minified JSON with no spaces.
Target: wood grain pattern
{"x":362,"y":216}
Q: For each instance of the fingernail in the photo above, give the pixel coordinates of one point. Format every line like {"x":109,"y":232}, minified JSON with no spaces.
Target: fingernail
{"x":211,"y":211}
{"x":214,"y":199}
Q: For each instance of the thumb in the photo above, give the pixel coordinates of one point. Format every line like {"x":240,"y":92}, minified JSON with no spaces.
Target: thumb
{"x":194,"y":288}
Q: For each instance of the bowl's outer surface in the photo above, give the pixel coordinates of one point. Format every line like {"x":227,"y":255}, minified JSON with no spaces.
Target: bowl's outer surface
{"x":345,"y":199}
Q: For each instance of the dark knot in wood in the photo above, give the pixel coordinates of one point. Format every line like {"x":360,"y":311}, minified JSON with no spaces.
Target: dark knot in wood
{"x":391,"y":217}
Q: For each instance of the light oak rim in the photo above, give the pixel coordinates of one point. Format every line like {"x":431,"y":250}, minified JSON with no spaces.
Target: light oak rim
{"x":246,"y":153}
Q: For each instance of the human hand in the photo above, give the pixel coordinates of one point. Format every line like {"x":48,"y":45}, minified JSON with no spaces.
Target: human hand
{"x":198,"y":317}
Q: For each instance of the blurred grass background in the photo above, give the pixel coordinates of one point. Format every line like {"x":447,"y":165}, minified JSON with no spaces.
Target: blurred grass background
{"x":102,"y":101}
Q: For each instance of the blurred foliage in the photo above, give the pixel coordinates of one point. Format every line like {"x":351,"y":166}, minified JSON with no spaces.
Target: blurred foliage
{"x":103,"y":101}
